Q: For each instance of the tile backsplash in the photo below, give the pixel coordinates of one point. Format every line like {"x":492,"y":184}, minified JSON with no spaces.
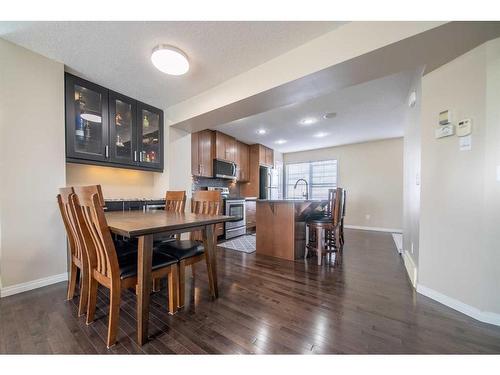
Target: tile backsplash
{"x":199,"y":183}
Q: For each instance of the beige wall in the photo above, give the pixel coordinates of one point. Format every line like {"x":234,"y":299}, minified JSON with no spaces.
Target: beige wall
{"x":459,"y":257}
{"x":115,"y":182}
{"x":372,"y":173}
{"x":33,"y":244}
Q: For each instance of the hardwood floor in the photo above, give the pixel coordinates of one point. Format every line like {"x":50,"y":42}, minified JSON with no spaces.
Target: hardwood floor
{"x":266,"y":305}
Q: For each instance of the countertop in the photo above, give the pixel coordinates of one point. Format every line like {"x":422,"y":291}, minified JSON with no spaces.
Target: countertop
{"x":290,"y":200}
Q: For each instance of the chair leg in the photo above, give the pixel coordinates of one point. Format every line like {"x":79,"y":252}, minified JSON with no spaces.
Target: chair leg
{"x":92,"y":300}
{"x":156,"y":285}
{"x":114,"y":314}
{"x":73,"y":270}
{"x":306,"y":252}
{"x":319,"y":244}
{"x":181,"y":285}
{"x":173,"y":290}
{"x":84,"y":292}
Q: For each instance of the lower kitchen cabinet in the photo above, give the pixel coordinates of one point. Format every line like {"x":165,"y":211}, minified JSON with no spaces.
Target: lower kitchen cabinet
{"x":250,"y":212}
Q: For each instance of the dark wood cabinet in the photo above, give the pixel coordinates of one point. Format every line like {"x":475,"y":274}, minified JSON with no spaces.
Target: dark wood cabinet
{"x":250,"y":213}
{"x":266,"y":156}
{"x":225,"y":147}
{"x":106,"y":128}
{"x":242,"y":160}
{"x":86,"y":120}
{"x":202,"y":153}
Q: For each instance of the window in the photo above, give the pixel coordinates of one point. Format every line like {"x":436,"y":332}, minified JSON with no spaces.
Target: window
{"x":320,"y":176}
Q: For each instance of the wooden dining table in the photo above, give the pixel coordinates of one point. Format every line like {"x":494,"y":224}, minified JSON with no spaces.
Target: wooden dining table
{"x":144,"y":225}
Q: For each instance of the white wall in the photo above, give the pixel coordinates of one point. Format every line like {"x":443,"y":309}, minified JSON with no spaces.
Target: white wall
{"x":372,"y":173}
{"x":459,"y":260}
{"x":411,"y":184}
{"x":32,"y":166}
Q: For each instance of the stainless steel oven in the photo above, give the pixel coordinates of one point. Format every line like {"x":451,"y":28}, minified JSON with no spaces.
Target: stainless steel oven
{"x":235,"y":207}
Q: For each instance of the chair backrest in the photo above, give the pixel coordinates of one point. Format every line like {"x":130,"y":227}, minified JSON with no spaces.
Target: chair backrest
{"x":344,"y":197}
{"x":331,"y":202}
{"x":206,"y":202}
{"x":337,"y":206}
{"x":63,"y":200}
{"x":175,"y":201}
{"x":88,"y":205}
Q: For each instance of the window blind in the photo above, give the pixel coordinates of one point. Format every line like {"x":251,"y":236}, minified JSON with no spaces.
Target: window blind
{"x":320,"y":176}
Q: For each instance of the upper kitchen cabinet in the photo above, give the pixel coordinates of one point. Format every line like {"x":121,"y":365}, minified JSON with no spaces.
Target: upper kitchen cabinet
{"x":202,"y":153}
{"x":266,"y":156}
{"x":86,"y":120}
{"x":243,"y":161}
{"x":106,"y":128}
{"x":225,"y":147}
{"x":122,"y":129}
{"x":150,"y":134}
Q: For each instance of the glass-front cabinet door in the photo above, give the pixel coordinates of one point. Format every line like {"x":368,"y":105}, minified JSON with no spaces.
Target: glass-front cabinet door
{"x":86,"y":120}
{"x":122,"y":129}
{"x":150,"y":125}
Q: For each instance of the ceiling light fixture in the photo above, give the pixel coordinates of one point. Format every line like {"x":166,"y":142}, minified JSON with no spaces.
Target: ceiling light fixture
{"x":170,"y":60}
{"x":280,"y":141}
{"x":308,"y":120}
{"x":261,"y":131}
{"x":320,"y":135}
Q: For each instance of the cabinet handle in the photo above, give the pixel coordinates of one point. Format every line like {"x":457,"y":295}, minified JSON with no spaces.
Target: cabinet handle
{"x":135,"y":155}
{"x":140,"y":156}
{"x":106,"y":151}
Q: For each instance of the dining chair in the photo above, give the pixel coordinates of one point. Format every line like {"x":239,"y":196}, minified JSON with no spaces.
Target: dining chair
{"x":175,"y":201}
{"x":189,"y":252}
{"x":324,"y":231}
{"x":106,"y":267}
{"x":77,"y":256}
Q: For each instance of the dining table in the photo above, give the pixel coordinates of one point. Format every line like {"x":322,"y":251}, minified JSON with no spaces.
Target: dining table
{"x":144,"y":225}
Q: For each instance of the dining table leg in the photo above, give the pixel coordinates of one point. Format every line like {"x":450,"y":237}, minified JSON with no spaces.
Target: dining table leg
{"x":144,"y":265}
{"x":211,"y":256}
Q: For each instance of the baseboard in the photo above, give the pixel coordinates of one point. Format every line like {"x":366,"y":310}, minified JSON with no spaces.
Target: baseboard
{"x":411,"y":268}
{"x":376,"y":229}
{"x":30,"y":285}
{"x":473,"y":312}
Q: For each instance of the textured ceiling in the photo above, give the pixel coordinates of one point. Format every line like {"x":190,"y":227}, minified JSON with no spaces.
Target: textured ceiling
{"x":117,"y":54}
{"x":369,"y":111}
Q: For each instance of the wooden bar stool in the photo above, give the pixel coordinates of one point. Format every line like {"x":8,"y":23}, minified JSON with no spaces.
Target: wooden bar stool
{"x":324,"y":231}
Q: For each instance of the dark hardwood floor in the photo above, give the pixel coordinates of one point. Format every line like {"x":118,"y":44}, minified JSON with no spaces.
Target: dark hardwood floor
{"x":266,"y":305}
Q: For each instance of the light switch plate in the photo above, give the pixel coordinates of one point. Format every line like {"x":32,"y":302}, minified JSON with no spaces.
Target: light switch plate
{"x":498,"y":173}
{"x":444,"y":131}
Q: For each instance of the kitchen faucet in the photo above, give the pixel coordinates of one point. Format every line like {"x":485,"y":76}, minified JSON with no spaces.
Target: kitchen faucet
{"x":306,"y":194}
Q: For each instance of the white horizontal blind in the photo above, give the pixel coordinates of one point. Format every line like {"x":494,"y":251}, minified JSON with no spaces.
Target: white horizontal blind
{"x":320,"y":176}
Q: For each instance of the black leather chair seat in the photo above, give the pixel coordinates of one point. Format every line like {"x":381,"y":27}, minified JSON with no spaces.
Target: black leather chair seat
{"x":182,"y":249}
{"x":128,"y":263}
{"x":125,"y":246}
{"x":319,"y":220}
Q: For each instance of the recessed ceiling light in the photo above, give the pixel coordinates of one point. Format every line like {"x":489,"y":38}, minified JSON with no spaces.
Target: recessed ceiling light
{"x":308,"y":120}
{"x":261,"y":131}
{"x":170,"y":60}
{"x":280,"y":141}
{"x":320,"y":135}
{"x":330,"y":115}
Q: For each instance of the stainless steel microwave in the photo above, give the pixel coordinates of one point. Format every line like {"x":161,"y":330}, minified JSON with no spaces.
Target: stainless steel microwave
{"x":224,"y":169}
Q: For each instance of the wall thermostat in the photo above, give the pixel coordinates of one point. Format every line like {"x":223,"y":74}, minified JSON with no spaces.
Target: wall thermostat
{"x":464,"y":127}
{"x":444,"y":131}
{"x":444,"y":117}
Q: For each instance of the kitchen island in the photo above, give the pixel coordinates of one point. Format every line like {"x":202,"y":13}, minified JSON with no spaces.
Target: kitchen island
{"x":281,"y":226}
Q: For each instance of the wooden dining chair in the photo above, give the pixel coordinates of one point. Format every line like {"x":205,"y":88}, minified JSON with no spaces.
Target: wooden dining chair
{"x":77,"y":257}
{"x":106,"y":267}
{"x":189,"y":252}
{"x":324,"y":231}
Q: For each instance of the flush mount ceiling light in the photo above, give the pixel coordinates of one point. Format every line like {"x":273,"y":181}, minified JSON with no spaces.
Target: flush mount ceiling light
{"x":261,"y":131}
{"x":308,"y":120}
{"x":91,"y":117}
{"x":320,"y":135}
{"x":170,"y":60}
{"x":280,"y":141}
